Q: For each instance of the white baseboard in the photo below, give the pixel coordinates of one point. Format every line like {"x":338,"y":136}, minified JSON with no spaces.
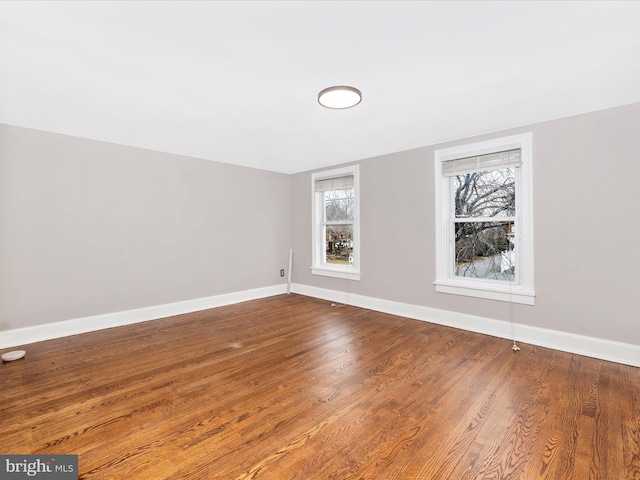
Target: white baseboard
{"x":38,"y":333}
{"x":625,"y":353}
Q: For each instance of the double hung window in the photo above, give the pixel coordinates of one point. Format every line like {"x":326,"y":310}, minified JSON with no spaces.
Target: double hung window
{"x":484,"y":235}
{"x":336,"y":251}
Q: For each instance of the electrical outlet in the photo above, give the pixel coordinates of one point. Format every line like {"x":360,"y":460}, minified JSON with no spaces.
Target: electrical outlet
{"x":282,"y":272}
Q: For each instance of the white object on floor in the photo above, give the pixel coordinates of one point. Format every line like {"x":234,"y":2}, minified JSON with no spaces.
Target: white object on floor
{"x":15,"y":355}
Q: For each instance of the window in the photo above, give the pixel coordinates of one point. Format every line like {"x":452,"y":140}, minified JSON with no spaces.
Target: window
{"x":484,"y":220}
{"x":336,"y":237}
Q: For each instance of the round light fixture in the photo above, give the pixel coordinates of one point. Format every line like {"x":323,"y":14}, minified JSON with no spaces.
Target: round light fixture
{"x":339,"y":97}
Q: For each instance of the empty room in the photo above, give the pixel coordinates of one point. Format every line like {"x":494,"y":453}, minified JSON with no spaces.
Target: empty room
{"x":368,"y":240}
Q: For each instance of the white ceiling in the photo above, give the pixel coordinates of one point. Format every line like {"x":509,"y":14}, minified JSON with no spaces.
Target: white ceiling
{"x":237,"y":82}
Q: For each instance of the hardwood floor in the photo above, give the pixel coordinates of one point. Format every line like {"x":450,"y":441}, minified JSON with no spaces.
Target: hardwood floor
{"x":289,"y":387}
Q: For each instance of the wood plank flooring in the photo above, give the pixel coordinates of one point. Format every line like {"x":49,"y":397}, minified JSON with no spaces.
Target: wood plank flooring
{"x":289,"y":387}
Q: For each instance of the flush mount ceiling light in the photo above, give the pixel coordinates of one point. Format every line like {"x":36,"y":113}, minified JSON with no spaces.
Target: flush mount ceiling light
{"x":339,"y":97}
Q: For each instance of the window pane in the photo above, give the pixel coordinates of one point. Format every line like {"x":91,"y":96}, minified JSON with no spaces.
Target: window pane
{"x":339,"y":205}
{"x":485,"y":250}
{"x":485,"y":194}
{"x":339,"y":244}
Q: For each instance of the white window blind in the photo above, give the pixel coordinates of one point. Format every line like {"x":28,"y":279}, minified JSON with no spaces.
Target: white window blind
{"x":336,"y":183}
{"x":482,"y":163}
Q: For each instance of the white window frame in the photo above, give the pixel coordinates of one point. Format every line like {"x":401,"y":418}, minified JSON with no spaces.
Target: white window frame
{"x":319,"y":266}
{"x":521,"y":290}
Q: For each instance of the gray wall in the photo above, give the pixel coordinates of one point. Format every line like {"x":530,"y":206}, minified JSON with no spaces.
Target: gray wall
{"x":88,"y":227}
{"x":586,"y":222}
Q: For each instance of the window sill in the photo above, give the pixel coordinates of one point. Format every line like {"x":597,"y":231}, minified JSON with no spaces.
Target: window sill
{"x":514,"y":295}
{"x":336,"y":273}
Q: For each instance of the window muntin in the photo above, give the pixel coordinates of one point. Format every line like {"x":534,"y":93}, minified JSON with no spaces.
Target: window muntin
{"x":335,"y":234}
{"x":484,"y":241}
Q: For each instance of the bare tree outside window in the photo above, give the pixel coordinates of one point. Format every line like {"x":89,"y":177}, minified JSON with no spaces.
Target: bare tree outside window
{"x":484,"y":223}
{"x":484,"y":219}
